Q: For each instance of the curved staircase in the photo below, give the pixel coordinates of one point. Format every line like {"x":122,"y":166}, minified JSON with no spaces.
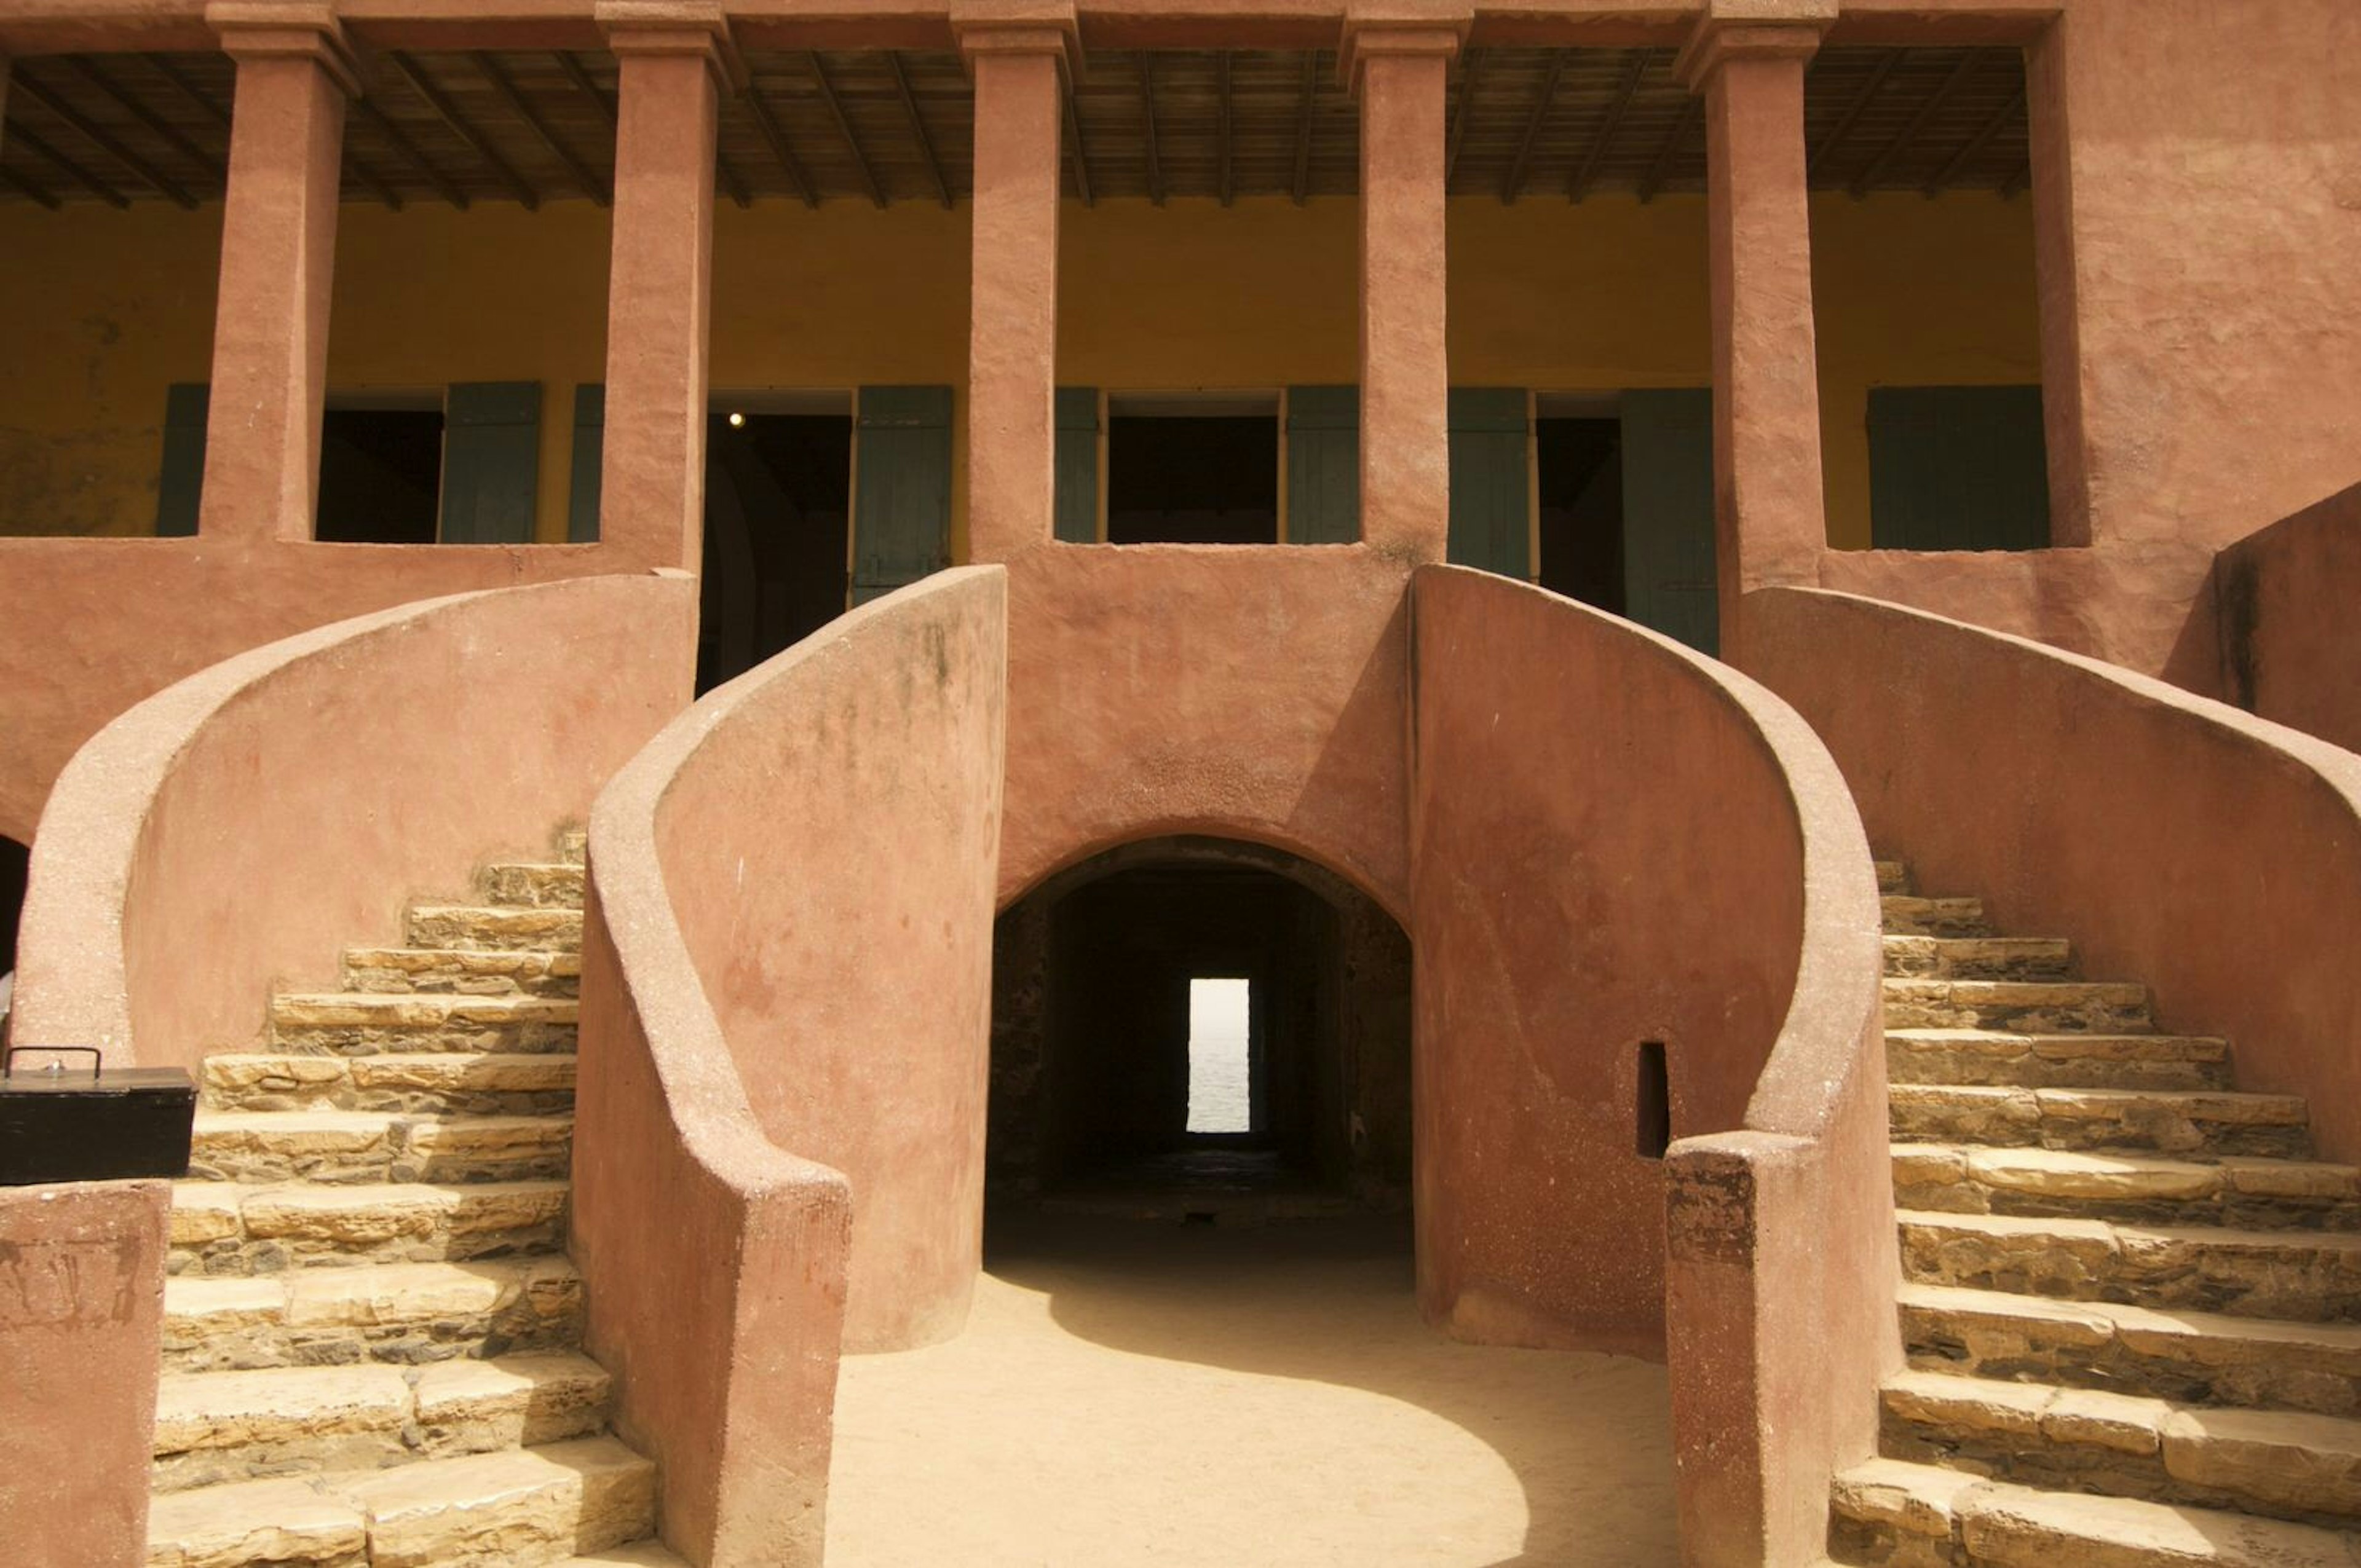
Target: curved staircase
{"x":371,"y":1333}
{"x":2132,"y":1299}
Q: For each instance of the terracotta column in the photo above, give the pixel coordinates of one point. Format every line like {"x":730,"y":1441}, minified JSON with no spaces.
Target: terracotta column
{"x":277,"y":261}
{"x":1771,"y":523}
{"x":1018,"y":60}
{"x":1397,"y":67}
{"x":675,"y":62}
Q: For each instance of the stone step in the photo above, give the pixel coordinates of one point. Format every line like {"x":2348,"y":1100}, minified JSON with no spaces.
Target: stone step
{"x":2277,"y":1462}
{"x":1910,"y":916}
{"x":1893,"y":876}
{"x":475,"y":928}
{"x":1890,"y":1510}
{"x":2055,"y":1061}
{"x":2028,"y":1006}
{"x":521,"y":1508}
{"x":524,"y":1508}
{"x":470,"y":971}
{"x":532,"y":885}
{"x":401,"y":1313}
{"x":2234,"y":1193}
{"x":213,"y":1428}
{"x":350,"y":1147}
{"x":226,"y":1228}
{"x":1978,"y":958}
{"x":2304,"y":1275}
{"x":2193,"y":1358}
{"x":462,"y":1083}
{"x":361,"y":1023}
{"x":2207,"y":1124}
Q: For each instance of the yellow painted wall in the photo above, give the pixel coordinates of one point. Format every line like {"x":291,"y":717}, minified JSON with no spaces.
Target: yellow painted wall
{"x":101,"y":311}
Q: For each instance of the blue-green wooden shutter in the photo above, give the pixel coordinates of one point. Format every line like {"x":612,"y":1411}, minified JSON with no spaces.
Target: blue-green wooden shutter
{"x":491,"y":462}
{"x":1958,"y":468}
{"x":1078,"y":464}
{"x":1668,"y":528}
{"x":1323,"y":465}
{"x":590,"y":452}
{"x":901,"y":489}
{"x":183,"y":476}
{"x":1492,"y":512}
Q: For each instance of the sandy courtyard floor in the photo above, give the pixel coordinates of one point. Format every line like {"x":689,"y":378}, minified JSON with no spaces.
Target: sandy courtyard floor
{"x":1152,"y":1394}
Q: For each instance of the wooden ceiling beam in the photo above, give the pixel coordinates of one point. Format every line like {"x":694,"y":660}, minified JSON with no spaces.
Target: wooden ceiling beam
{"x":1628,"y":89}
{"x":99,"y":136}
{"x":21,"y":136}
{"x":1977,"y":143}
{"x":1918,"y":122}
{"x":399,"y":139}
{"x":1514,"y":185}
{"x":1225,"y":184}
{"x":919,"y":127}
{"x":776,"y":140}
{"x":465,"y":129}
{"x":162,"y":66}
{"x":504,"y":87}
{"x":1081,"y":153}
{"x":1862,"y":99}
{"x":1471,"y":63}
{"x":1148,"y":125}
{"x":844,"y":125}
{"x":1301,"y":189}
{"x":1659,"y":171}
{"x":161,"y":129}
{"x":32,"y":191}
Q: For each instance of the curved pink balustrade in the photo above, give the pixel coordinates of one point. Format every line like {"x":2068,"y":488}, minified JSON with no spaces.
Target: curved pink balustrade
{"x":2215,"y":855}
{"x":1614,"y":843}
{"x":239,"y":828}
{"x":789,"y":948}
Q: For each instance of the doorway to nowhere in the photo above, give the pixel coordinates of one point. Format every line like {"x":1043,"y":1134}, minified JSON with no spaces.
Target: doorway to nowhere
{"x":1199,"y":1029}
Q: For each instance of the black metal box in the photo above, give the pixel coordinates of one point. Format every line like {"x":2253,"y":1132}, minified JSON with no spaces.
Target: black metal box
{"x":60,"y":1123}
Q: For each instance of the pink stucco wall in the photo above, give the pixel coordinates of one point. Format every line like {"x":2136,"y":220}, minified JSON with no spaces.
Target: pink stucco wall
{"x":2176,"y":840}
{"x":1617,"y":841}
{"x":2284,"y":600}
{"x":1255,"y":694}
{"x":237,"y":830}
{"x":81,"y":1311}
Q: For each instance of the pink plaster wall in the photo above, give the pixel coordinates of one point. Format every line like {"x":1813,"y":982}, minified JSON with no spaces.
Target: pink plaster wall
{"x":2176,"y":840}
{"x":2284,"y":600}
{"x":239,"y":829}
{"x":82,"y":1312}
{"x":1615,"y":841}
{"x":1250,"y":693}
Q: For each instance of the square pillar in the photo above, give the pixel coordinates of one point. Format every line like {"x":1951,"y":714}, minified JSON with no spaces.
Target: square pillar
{"x":278,"y":265}
{"x":1397,"y":67}
{"x":1747,"y":57}
{"x":675,"y":61}
{"x":1019,"y":61}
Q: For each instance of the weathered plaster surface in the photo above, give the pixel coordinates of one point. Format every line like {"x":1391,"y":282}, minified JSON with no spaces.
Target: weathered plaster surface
{"x":234,"y":832}
{"x":81,"y":1311}
{"x":2283,"y":601}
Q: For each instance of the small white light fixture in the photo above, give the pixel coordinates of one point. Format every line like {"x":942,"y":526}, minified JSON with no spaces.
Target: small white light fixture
{"x":737,"y":422}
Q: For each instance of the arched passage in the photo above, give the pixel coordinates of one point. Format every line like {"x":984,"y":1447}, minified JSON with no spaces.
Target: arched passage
{"x":1092,"y":1037}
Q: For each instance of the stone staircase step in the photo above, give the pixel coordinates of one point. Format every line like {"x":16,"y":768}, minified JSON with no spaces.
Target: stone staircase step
{"x":547,"y":885}
{"x":214,"y":1428}
{"x":1978,"y":958}
{"x":2205,"y":1123}
{"x":283,"y":1524}
{"x":470,"y":1083}
{"x":1908,"y":914}
{"x":1893,"y":876}
{"x":2055,"y":1061}
{"x":521,"y":1508}
{"x":361,"y":1023}
{"x":2193,"y":1358}
{"x":2234,"y":1193}
{"x":472,"y":971}
{"x":219,"y":1227}
{"x":2030,"y":1006}
{"x":1891,"y":1511}
{"x":2303,"y":1274}
{"x":493,"y":929}
{"x":398,"y":1312}
{"x":2277,"y":1462}
{"x":346,"y":1146}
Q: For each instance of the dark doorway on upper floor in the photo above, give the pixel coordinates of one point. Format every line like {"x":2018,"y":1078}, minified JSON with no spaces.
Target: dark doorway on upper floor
{"x":778,"y":493}
{"x":1193,"y":470}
